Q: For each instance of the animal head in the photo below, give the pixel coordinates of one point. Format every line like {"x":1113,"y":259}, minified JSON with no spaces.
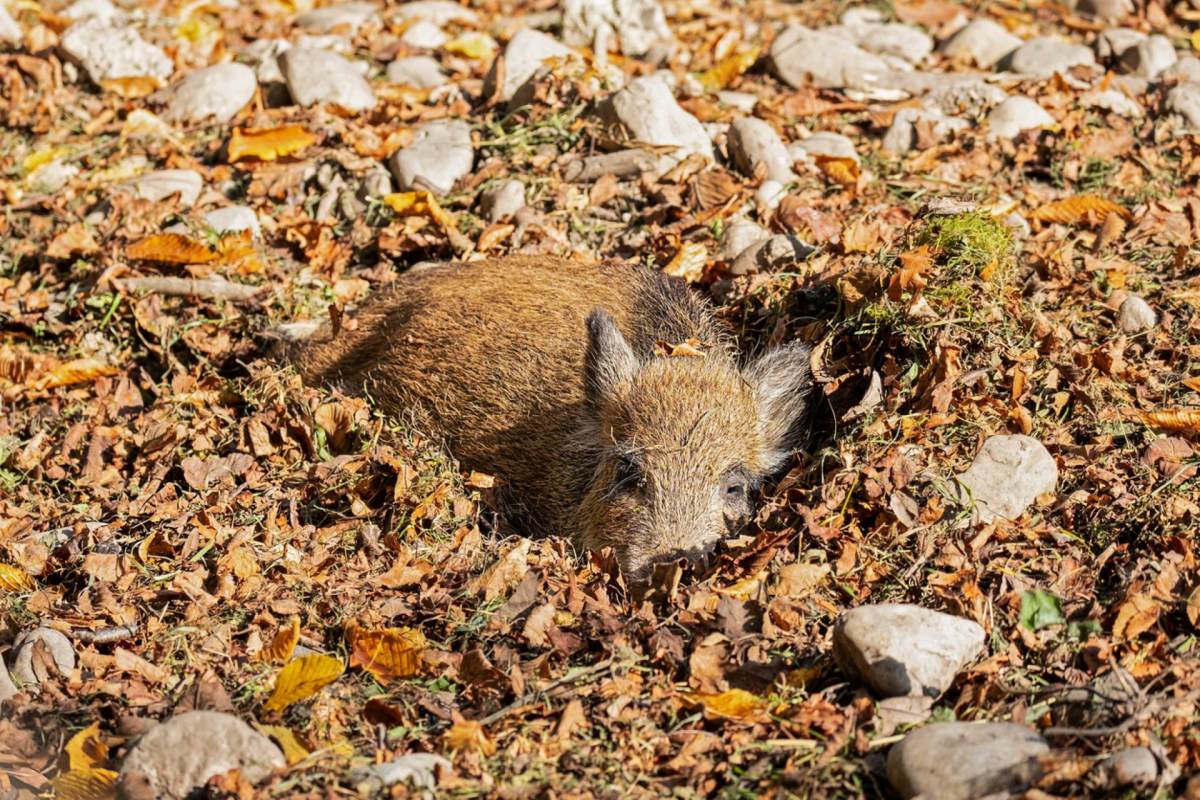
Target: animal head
{"x":684,"y":442}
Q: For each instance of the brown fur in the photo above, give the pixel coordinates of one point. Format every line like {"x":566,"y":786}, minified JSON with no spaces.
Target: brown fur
{"x":512,"y":363}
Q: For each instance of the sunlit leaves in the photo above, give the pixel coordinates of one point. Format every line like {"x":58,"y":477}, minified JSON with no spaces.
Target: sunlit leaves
{"x":268,"y":144}
{"x":303,"y":678}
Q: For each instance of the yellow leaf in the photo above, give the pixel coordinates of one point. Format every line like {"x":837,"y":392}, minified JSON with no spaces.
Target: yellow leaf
{"x":841,"y":170}
{"x":194,"y":30}
{"x":293,"y":751}
{"x":268,"y":144}
{"x":387,"y":653}
{"x":283,"y":644}
{"x":732,"y":704}
{"x":468,"y":734}
{"x":745,"y":588}
{"x":419,"y":204}
{"x":1086,"y":208}
{"x":689,"y":262}
{"x":724,"y":71}
{"x":1173,"y":419}
{"x":1196,"y":40}
{"x":86,"y":750}
{"x":79,"y":370}
{"x":170,"y":248}
{"x":86,"y":784}
{"x":303,"y":678}
{"x":476,"y":46}
{"x":15,"y":579}
{"x":41,"y":157}
{"x":132,"y":88}
{"x":141,"y":122}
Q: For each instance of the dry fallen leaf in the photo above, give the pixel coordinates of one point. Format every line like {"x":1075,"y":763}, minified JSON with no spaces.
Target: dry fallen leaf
{"x":286,"y":738}
{"x":303,"y":678}
{"x":840,"y":170}
{"x":1136,"y":616}
{"x":387,"y":653}
{"x":268,"y":144}
{"x":1181,"y":420}
{"x":15,"y":579}
{"x":171,"y":248}
{"x":731,"y":704}
{"x":469,"y":735}
{"x":132,"y":88}
{"x":283,"y":643}
{"x":420,"y":204}
{"x":86,"y":784}
{"x":723,"y":72}
{"x":79,"y":370}
{"x":1084,"y":208}
{"x":86,"y":750}
{"x":688,"y":262}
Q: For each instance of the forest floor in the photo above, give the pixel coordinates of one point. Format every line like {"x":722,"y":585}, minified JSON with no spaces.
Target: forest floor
{"x":208,"y":533}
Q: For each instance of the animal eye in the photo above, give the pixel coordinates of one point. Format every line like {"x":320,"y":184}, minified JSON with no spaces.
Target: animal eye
{"x":628,"y":472}
{"x":735,"y":490}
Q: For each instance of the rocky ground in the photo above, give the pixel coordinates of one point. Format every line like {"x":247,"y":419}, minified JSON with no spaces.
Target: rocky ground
{"x":981,"y":578}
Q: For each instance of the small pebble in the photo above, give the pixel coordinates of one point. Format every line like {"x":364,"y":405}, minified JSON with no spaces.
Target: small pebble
{"x":1134,"y":766}
{"x":502,"y":200}
{"x":1045,"y":55}
{"x":1149,"y":57}
{"x":344,"y":15}
{"x":982,"y":42}
{"x":319,"y":76}
{"x":1017,"y":114}
{"x":160,"y":184}
{"x":421,"y":72}
{"x":108,"y":51}
{"x":647,"y":109}
{"x":753,"y":142}
{"x":523,"y":57}
{"x":740,"y":235}
{"x":25,"y":670}
{"x":1136,"y":315}
{"x":441,"y":152}
{"x":1008,"y":474}
{"x":217,"y":92}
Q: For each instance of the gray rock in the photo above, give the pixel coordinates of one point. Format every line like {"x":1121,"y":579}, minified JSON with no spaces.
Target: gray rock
{"x":1185,"y":69}
{"x":10,"y":31}
{"x":422,"y":72}
{"x":902,"y":135}
{"x":1046,"y":55}
{"x":502,"y":200}
{"x":424,"y":35}
{"x":899,"y":649}
{"x":1184,"y":100}
{"x":319,"y":76}
{"x":440,"y":154}
{"x":1017,"y":114}
{"x":217,"y":92}
{"x":1113,"y":101}
{"x":418,"y":770}
{"x":740,"y":235}
{"x":801,"y":55}
{"x":7,"y":687}
{"x":895,"y":39}
{"x":263,"y":55}
{"x":823,"y":143}
{"x":1149,"y":57}
{"x":233,"y":219}
{"x":1105,"y":9}
{"x":1112,"y":43}
{"x":770,"y":193}
{"x":965,"y":760}
{"x":161,"y":184}
{"x":1008,"y":474}
{"x":1133,"y":766}
{"x":25,"y":670}
{"x":637,"y":24}
{"x":982,"y":42}
{"x":349,"y":15}
{"x":770,"y":255}
{"x":108,"y":51}
{"x":439,"y":12}
{"x":1136,"y":315}
{"x":523,"y":56}
{"x":176,"y":758}
{"x":648,"y":111}
{"x":742,"y":101}
{"x":752,"y":142}
{"x":971,"y":98}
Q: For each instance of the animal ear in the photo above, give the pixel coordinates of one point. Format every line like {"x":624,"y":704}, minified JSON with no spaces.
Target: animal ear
{"x":782,"y":382}
{"x":609,"y":362}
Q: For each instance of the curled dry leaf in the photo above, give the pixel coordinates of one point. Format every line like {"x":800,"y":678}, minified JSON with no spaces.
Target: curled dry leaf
{"x":1084,"y":208}
{"x":86,"y":750}
{"x":303,"y":678}
{"x":469,"y":735}
{"x":79,"y":370}
{"x":731,"y":704}
{"x":86,"y":784}
{"x":840,"y":170}
{"x":688,"y":262}
{"x":1178,"y":420}
{"x":268,"y":144}
{"x":15,"y":579}
{"x":420,"y":204}
{"x":389,"y":654}
{"x":288,"y":742}
{"x":133,"y":87}
{"x":171,"y":248}
{"x":283,"y":643}
{"x":727,"y":69}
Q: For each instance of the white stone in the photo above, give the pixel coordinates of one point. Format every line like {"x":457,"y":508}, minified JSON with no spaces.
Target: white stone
{"x":823,"y":143}
{"x":1113,"y":101}
{"x":418,"y":770}
{"x":502,"y":200}
{"x":1184,"y":100}
{"x":424,"y":35}
{"x":1149,"y":57}
{"x":161,"y":184}
{"x":775,"y":253}
{"x":895,"y":39}
{"x":752,"y":142}
{"x":1133,"y":766}
{"x":439,"y":12}
{"x":218,"y":92}
{"x":899,"y":649}
{"x":26,"y":671}
{"x":233,"y":219}
{"x":971,"y":98}
{"x":523,"y":56}
{"x":800,"y":55}
{"x":319,"y":76}
{"x":1008,"y":474}
{"x":637,"y":24}
{"x":264,"y":55}
{"x":94,"y":9}
{"x":740,"y":235}
{"x":742,"y":101}
{"x":1136,"y":315}
{"x":107,"y":51}
{"x":1106,"y":9}
{"x":648,"y":111}
{"x":770,"y":193}
{"x":1017,"y":114}
{"x":440,"y":154}
{"x":177,"y":757}
{"x":348,"y":15}
{"x":1112,"y":43}
{"x":1185,"y":69}
{"x":965,"y":760}
{"x":902,"y":135}
{"x":981,"y":41}
{"x":421,"y":72}
{"x":1046,"y":55}
{"x":10,"y":31}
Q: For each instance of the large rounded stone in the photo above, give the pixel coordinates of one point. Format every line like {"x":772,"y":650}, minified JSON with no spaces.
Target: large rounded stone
{"x":28,"y":671}
{"x":647,"y":109}
{"x":900,"y":649}
{"x":440,"y":154}
{"x":1016,"y":114}
{"x":1045,"y":55}
{"x":319,"y":76}
{"x":217,"y":92}
{"x":109,"y":51}
{"x":965,"y":760}
{"x":176,"y":758}
{"x":981,"y":41}
{"x":752,"y":142}
{"x":801,"y":55}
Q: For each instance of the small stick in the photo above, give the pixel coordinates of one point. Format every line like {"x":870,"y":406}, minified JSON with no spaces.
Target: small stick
{"x":207,"y":288}
{"x":105,"y":635}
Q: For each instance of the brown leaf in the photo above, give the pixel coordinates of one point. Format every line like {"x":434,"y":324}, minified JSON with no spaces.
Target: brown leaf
{"x":75,"y":240}
{"x":840,"y":170}
{"x":390,"y":654}
{"x":283,"y":643}
{"x":1085,"y":208}
{"x":1136,"y":616}
{"x":171,"y":248}
{"x":1180,"y":420}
